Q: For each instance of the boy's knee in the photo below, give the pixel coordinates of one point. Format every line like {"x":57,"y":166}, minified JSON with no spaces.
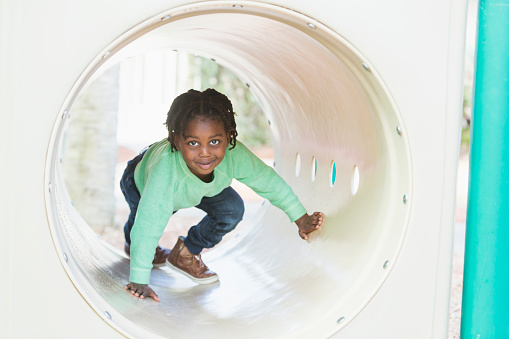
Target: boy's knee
{"x":237,"y":208}
{"x":238,"y":211}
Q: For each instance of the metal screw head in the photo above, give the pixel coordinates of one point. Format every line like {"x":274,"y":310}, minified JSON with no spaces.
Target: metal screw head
{"x":65,"y":257}
{"x":399,"y":130}
{"x":237,"y":6}
{"x":64,"y":114}
{"x":106,"y":54}
{"x":49,"y":187}
{"x":107,"y":314}
{"x":340,"y":320}
{"x":405,"y":199}
{"x":386,"y":264}
{"x":166,"y":17}
{"x":366,"y":67}
{"x":312,"y":26}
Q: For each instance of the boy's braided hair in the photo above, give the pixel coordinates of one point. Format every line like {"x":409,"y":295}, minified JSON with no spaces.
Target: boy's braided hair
{"x":209,"y":104}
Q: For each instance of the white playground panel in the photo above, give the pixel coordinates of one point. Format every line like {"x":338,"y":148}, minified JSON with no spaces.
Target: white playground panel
{"x":377,"y":85}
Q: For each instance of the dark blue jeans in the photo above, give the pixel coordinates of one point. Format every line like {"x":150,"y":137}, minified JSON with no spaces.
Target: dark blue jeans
{"x":224,"y":212}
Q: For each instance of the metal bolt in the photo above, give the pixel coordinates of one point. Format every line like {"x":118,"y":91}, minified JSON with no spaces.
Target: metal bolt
{"x":107,"y":314}
{"x":312,"y":26}
{"x":166,"y":17}
{"x":340,"y":320}
{"x":106,"y":54}
{"x":405,"y":199}
{"x":49,"y":187}
{"x":64,"y":114}
{"x":386,"y":264}
{"x":399,"y":130}
{"x":366,"y":67}
{"x":65,"y":257}
{"x":237,"y":6}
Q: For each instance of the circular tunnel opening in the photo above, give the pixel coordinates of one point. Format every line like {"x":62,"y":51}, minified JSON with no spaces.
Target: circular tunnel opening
{"x":328,"y":108}
{"x":122,"y":111}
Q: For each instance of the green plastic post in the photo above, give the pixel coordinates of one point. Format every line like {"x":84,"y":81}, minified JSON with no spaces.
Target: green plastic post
{"x":485,"y":311}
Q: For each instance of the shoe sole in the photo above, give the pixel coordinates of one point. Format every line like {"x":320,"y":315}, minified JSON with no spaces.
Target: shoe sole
{"x":201,"y":281}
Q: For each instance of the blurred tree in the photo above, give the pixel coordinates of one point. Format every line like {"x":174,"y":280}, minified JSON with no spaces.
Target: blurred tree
{"x":251,"y":123}
{"x":90,"y":151}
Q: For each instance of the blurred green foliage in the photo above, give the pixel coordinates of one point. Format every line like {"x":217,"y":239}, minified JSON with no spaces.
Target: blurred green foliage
{"x":466,"y":119}
{"x":251,"y":122}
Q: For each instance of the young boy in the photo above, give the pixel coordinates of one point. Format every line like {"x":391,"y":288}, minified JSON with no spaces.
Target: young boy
{"x":195,"y":166}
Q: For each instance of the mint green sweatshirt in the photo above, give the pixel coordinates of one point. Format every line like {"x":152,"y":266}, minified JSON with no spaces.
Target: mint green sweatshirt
{"x":166,"y":184}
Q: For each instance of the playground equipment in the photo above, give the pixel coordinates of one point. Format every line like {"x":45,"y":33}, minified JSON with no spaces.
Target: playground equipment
{"x":364,"y":101}
{"x":485,"y":294}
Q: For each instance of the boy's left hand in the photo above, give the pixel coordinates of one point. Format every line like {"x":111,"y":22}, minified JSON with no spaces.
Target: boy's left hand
{"x":309,"y":223}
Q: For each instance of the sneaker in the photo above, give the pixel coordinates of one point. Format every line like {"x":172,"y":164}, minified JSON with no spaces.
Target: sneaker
{"x":190,"y":265}
{"x":159,"y":257}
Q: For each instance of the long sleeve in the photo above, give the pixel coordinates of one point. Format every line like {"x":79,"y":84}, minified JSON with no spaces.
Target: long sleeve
{"x":253,"y":172}
{"x":147,"y":230}
{"x":154,"y":210}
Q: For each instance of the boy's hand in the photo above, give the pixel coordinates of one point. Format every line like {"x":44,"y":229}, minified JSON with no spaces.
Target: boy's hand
{"x":141,"y":290}
{"x":309,"y":223}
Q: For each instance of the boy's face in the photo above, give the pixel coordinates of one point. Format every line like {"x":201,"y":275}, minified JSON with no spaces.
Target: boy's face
{"x":203,"y":146}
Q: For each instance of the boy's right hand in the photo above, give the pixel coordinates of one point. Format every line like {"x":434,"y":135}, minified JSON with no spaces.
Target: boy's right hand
{"x":309,"y":223}
{"x":141,"y":291}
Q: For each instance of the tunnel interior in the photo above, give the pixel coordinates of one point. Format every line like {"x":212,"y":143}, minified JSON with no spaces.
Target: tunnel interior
{"x":338,"y":140}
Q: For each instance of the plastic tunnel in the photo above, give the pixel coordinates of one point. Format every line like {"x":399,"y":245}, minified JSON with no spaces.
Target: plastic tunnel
{"x":338,"y":141}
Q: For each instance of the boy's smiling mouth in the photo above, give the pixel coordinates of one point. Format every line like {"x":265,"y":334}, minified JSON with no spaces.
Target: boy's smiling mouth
{"x":205,"y":165}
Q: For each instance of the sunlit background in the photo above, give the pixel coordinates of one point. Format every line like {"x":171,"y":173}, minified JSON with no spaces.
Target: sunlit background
{"x":124,"y":110}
